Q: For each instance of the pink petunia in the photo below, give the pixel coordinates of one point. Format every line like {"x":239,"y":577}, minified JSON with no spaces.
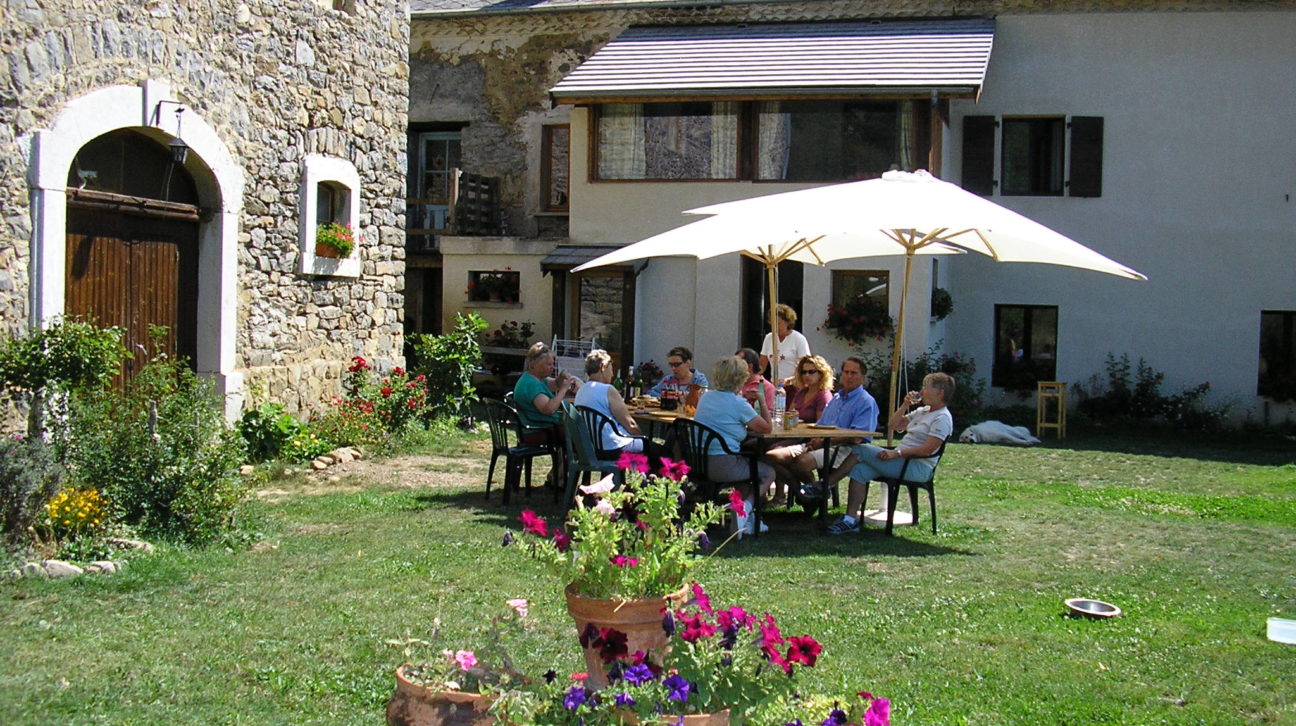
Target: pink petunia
{"x":675,"y":470}
{"x":736,"y":503}
{"x":631,"y":461}
{"x":519,"y":604}
{"x":561,"y":540}
{"x":803,"y":649}
{"x":466,"y":659}
{"x":701,"y":599}
{"x":533,"y":523}
{"x":625,"y":561}
{"x":878,"y":713}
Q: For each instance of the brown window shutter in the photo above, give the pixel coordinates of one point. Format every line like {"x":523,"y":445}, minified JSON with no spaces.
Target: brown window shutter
{"x":978,"y":154}
{"x":1086,"y":156}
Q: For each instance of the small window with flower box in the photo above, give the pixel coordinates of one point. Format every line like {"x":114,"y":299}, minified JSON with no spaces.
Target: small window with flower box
{"x":494,"y":286}
{"x":330,"y":216}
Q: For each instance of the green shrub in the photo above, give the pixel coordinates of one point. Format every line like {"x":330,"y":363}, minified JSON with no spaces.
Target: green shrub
{"x":30,"y":476}
{"x":267,"y":430}
{"x":1138,"y":399}
{"x":448,"y":362}
{"x":161,"y":453}
{"x":969,"y":390}
{"x":67,"y":356}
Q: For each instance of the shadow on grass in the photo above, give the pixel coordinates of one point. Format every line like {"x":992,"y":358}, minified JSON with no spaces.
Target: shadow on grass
{"x":793,"y":534}
{"x":1231,"y":448}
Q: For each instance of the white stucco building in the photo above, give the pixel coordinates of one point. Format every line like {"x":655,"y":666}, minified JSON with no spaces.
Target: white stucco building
{"x":1158,"y":137}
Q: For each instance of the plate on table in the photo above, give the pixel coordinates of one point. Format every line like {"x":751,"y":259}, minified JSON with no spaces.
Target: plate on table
{"x":819,"y":426}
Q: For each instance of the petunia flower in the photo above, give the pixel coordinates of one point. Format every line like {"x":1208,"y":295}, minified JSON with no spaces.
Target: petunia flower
{"x":602,"y":486}
{"x":633,"y":462}
{"x":575,"y":698}
{"x":836,"y":717}
{"x":550,"y":675}
{"x":561,"y":540}
{"x":677,"y":689}
{"x":533,"y":523}
{"x":675,"y":470}
{"x":637,"y":675}
{"x":701,"y":599}
{"x":466,"y":659}
{"x":612,"y":644}
{"x":519,"y":605}
{"x":803,"y":649}
{"x":624,"y":561}
{"x":737,"y":504}
{"x":878,"y":713}
{"x":668,"y":623}
{"x":625,"y":700}
{"x":605,"y":508}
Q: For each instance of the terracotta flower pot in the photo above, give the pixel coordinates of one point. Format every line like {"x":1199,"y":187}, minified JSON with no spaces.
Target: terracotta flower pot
{"x":323,"y":250}
{"x":640,"y":620}
{"x":719,"y":718}
{"x":415,"y":705}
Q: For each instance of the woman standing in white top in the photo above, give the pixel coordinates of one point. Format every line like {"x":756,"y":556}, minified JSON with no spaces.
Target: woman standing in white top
{"x":793,"y":346}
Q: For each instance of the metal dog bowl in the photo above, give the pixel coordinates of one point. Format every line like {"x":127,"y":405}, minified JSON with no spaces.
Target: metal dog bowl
{"x":1091,"y":608}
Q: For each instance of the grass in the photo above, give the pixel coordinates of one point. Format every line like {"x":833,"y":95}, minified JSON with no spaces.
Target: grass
{"x":1194,"y":540}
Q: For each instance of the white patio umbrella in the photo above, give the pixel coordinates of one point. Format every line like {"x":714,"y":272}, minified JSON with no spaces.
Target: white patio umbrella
{"x":912,"y":213}
{"x":900,"y":214}
{"x":768,"y":241}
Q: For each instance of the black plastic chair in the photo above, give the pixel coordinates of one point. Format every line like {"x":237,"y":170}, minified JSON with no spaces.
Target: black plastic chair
{"x":695,"y":441}
{"x":582,"y":459}
{"x":893,"y":485}
{"x":506,"y":427}
{"x":595,"y":422}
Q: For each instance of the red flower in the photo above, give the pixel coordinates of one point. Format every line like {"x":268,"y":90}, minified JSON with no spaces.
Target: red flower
{"x":630,"y":461}
{"x":624,"y":561}
{"x":803,"y":649}
{"x":701,"y":600}
{"x":694,"y":627}
{"x":533,"y":523}
{"x":386,"y":391}
{"x":561,"y":540}
{"x":675,"y":470}
{"x":398,"y":371}
{"x":736,"y":503}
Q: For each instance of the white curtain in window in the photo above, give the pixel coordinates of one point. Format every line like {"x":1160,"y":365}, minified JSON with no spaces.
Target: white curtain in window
{"x":906,"y":126}
{"x":724,"y":140}
{"x":621,"y":141}
{"x":774,"y":141}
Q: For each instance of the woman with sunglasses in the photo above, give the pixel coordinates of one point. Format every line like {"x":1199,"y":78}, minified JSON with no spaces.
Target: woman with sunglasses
{"x":814,"y":388}
{"x":682,"y":373}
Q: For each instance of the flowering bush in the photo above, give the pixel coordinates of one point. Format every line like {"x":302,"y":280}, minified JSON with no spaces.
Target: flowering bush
{"x":487,"y":668}
{"x":336,"y":237}
{"x":861,"y":319}
{"x":394,"y":400}
{"x":630,"y":543}
{"x":511,"y":334}
{"x":74,"y":512}
{"x":719,"y":658}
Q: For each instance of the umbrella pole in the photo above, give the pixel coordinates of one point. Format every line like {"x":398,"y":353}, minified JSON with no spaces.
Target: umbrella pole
{"x":771,"y":276}
{"x":899,"y":343}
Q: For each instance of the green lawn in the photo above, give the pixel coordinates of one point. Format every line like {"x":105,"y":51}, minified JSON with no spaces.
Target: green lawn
{"x":1196,"y":541}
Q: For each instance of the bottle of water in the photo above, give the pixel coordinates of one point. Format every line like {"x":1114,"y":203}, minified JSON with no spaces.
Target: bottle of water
{"x":780,"y":403}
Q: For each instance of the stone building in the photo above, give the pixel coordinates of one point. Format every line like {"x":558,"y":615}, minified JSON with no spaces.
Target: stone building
{"x":1153,"y":132}
{"x":169,"y":163}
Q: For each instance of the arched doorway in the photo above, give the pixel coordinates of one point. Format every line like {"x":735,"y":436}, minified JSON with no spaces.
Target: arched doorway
{"x":132,"y":244}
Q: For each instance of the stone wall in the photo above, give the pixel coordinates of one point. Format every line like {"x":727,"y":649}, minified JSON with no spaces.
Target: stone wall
{"x":278,"y":81}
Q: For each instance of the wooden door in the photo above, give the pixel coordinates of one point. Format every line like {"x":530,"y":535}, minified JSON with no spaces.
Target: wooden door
{"x":135,"y":271}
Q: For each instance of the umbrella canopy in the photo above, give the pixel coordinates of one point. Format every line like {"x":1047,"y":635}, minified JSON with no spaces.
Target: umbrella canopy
{"x":912,"y":213}
{"x":766,"y":240}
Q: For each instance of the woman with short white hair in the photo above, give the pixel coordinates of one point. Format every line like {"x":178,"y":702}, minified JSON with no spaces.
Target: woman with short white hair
{"x":725,"y":410}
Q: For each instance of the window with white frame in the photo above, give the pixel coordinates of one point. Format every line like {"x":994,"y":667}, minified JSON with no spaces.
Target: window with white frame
{"x":330,"y":202}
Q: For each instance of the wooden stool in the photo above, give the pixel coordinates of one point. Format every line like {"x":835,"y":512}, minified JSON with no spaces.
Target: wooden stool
{"x":1050,"y":394}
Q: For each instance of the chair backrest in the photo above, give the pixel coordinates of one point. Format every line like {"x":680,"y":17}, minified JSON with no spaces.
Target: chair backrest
{"x":595,"y":422}
{"x":695,"y":440}
{"x":937,"y":456}
{"x":501,"y":418}
{"x":569,"y":355}
{"x":580,"y":448}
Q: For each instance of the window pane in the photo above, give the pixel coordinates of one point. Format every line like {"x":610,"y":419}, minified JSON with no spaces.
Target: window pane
{"x":849,"y":283}
{"x":668,"y":141}
{"x":556,"y":167}
{"x":1025,"y":346}
{"x":834,"y":140}
{"x":600,"y":308}
{"x":1032,"y":156}
{"x":1277,"y":375}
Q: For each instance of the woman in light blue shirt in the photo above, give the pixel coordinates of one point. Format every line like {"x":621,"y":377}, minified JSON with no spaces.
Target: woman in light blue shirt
{"x":723,"y":409}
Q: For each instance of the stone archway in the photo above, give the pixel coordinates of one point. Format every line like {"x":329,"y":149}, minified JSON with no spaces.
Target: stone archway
{"x":218,"y":185}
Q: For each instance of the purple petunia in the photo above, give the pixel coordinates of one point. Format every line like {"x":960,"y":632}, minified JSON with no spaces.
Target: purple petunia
{"x":677,"y":689}
{"x":508,"y":539}
{"x":637,"y":675}
{"x":624,"y":700}
{"x":575,"y":698}
{"x":668,"y":624}
{"x":836,"y":717}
